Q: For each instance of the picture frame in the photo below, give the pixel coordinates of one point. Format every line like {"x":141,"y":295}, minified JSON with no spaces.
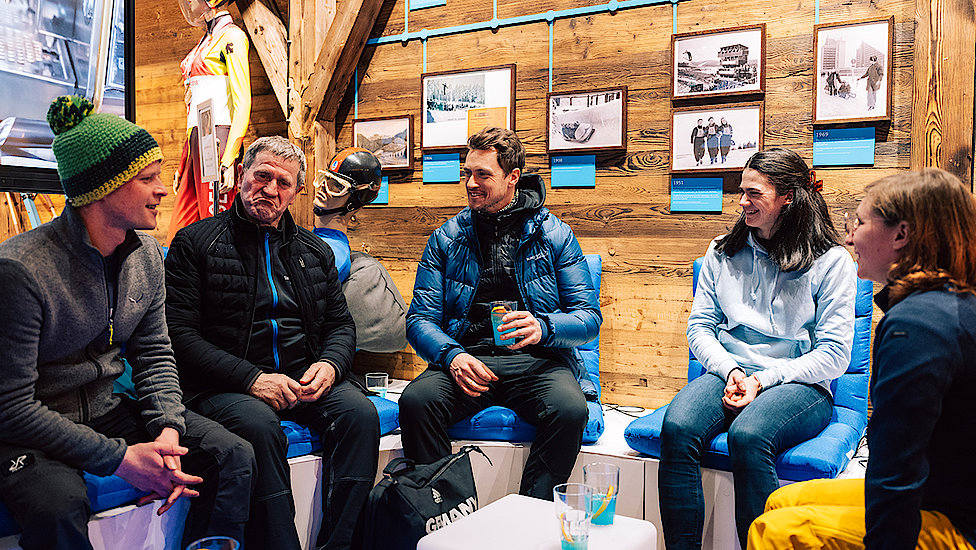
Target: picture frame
{"x":718,"y":149}
{"x":852,"y":81}
{"x":456,"y":104}
{"x":721,"y":62}
{"x":389,"y":138}
{"x":586,"y":121}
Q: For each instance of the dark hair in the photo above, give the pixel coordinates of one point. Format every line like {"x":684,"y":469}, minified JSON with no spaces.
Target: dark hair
{"x":511,"y":152}
{"x":805,"y":230}
{"x":941,"y":216}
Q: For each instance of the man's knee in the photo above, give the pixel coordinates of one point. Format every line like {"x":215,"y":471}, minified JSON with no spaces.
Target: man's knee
{"x":62,"y":519}
{"x":415,"y":402}
{"x":359,"y":418}
{"x":238,"y":458}
{"x":571,"y":412}
{"x":262,"y":430}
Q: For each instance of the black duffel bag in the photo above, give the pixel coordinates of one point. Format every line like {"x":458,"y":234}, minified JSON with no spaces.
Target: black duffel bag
{"x":412,"y":500}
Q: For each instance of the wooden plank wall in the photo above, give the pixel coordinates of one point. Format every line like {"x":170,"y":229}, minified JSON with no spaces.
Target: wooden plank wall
{"x":647,"y":252}
{"x":163,"y":38}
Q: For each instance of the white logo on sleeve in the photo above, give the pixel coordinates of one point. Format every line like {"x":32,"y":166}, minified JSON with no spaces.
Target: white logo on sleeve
{"x":18,"y":463}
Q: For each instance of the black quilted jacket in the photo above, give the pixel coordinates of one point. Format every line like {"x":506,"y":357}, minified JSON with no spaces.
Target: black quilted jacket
{"x":212,"y":270}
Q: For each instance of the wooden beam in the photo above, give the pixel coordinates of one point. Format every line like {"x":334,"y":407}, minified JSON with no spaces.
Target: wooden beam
{"x":270,"y":39}
{"x":319,"y":147}
{"x":340,"y":51}
{"x":942,"y":100}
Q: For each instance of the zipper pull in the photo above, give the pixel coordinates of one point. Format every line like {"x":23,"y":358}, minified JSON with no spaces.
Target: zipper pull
{"x":111,"y":325}
{"x":301,"y":262}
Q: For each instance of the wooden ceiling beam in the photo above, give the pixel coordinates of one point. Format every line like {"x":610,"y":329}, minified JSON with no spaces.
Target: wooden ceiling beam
{"x":270,"y":39}
{"x":336,"y":61}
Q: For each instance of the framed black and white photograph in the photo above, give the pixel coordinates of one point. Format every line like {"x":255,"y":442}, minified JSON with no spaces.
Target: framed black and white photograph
{"x":457,"y":104}
{"x":720,"y":62}
{"x":715,"y":139}
{"x":853,"y":77}
{"x":592,"y":120}
{"x":389,"y":138}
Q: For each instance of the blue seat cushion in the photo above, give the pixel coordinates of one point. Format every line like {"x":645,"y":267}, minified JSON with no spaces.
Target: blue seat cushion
{"x":502,"y":424}
{"x":824,"y":456}
{"x":302,"y":441}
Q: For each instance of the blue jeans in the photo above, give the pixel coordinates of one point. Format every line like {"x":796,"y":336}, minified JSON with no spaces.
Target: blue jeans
{"x":779,"y":418}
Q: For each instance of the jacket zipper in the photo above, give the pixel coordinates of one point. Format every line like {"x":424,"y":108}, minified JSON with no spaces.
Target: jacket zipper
{"x":274,"y":302}
{"x":111,"y":306}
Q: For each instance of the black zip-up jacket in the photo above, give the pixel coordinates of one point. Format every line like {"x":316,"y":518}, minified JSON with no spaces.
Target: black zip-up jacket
{"x":212,"y":271}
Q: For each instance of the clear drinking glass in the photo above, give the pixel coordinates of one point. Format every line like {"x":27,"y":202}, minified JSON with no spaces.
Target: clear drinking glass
{"x":214,"y":543}
{"x":605,"y":480}
{"x":572,"y":503}
{"x":377,"y":382}
{"x":499,"y":308}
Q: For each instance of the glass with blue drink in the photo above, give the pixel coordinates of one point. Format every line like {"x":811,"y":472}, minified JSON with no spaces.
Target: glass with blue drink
{"x":572,"y":502}
{"x":499,"y":308}
{"x":377,"y":382}
{"x":605,"y":480}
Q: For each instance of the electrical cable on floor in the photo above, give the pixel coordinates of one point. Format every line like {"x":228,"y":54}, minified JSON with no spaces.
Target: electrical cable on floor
{"x":630,"y":410}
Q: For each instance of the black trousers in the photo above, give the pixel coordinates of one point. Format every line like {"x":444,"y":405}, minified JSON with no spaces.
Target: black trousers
{"x":49,"y":500}
{"x":550,"y":399}
{"x":349,"y":428}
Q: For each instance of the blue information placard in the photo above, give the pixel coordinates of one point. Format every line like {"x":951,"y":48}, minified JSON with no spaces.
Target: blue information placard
{"x":421,"y":4}
{"x":843,"y":146}
{"x":573,"y":171}
{"x":383,"y":197}
{"x":696,"y":194}
{"x":442,"y":167}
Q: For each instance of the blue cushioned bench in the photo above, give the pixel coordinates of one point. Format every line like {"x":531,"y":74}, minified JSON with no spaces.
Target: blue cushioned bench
{"x":111,"y":491}
{"x":302,"y":441}
{"x":824,"y":456}
{"x":502,"y":424}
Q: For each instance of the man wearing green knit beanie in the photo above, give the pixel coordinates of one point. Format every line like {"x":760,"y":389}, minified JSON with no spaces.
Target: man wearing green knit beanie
{"x":89,"y":296}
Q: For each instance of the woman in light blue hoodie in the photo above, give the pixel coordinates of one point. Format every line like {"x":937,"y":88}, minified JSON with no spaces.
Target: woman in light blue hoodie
{"x":773,"y":324}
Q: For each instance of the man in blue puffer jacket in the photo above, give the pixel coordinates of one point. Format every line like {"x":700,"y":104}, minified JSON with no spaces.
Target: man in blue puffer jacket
{"x":505,"y":246}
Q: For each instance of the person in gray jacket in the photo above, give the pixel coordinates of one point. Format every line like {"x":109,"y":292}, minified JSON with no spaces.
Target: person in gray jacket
{"x":87,"y":292}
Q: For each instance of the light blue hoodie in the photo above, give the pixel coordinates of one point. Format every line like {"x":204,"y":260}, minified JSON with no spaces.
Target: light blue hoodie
{"x":793,"y":326}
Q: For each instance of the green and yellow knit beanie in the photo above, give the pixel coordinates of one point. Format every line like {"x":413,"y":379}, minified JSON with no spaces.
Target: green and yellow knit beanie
{"x":96,"y":153}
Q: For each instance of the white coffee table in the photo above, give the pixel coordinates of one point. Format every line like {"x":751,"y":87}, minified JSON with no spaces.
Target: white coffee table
{"x":516,"y":522}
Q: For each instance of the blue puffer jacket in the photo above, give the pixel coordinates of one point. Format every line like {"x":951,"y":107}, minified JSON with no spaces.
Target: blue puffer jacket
{"x":553,"y":282}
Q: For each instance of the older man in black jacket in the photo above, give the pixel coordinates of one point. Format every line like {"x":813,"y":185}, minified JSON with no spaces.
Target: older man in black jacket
{"x":261,"y":332}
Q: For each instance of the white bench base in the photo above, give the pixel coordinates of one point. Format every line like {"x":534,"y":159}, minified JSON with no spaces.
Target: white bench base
{"x":138,"y":528}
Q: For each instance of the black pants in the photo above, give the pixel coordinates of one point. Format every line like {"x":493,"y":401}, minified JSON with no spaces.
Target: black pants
{"x":550,"y":399}
{"x":349,"y":428}
{"x":49,"y":500}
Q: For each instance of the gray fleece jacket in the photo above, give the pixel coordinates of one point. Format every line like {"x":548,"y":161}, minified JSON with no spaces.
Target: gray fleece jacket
{"x":56,"y":366}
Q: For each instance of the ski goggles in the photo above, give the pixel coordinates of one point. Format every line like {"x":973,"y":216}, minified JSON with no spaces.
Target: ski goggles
{"x":329,"y":184}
